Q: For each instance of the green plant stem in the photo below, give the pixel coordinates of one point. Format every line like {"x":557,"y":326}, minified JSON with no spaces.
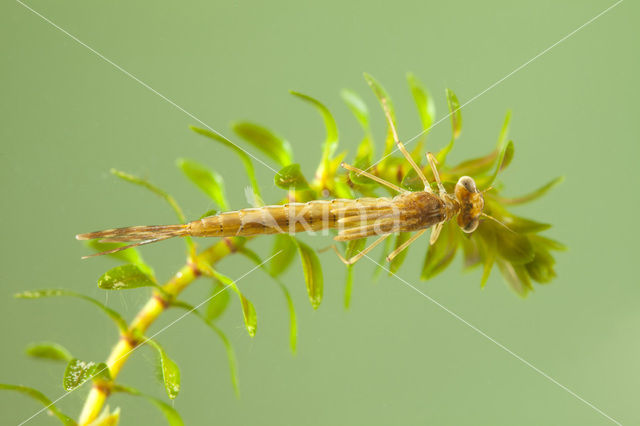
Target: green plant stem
{"x":156,"y":304}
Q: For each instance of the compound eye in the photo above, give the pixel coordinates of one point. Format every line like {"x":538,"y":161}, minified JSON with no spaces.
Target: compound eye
{"x":471,"y":226}
{"x":468,"y":183}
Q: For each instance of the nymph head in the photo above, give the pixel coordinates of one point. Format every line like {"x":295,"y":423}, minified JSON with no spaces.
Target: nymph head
{"x":471,"y":204}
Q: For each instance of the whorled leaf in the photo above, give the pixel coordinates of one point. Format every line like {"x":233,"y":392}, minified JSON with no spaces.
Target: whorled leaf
{"x":246,"y":160}
{"x":219,"y":301}
{"x":171,"y":415}
{"x":49,"y":350}
{"x":170,"y":371}
{"x":384,"y":99}
{"x":125,"y":277}
{"x":456,"y":124}
{"x":248,"y":311}
{"x":511,"y":246}
{"x":286,"y":248}
{"x":208,"y":213}
{"x":312,"y":273}
{"x":293,"y":322}
{"x":441,"y":253}
{"x":37,"y":294}
{"x":331,"y":141}
{"x":516,"y":276}
{"x":265,"y":140}
{"x":534,"y":194}
{"x":231,"y":357}
{"x":291,"y":178}
{"x":487,"y":241}
{"x":162,"y":194}
{"x":523,"y":225}
{"x":504,"y":158}
{"x":78,"y":372}
{"x":424,"y":102}
{"x":148,"y":185}
{"x":209,"y":182}
{"x":504,"y":131}
{"x":366,"y":148}
{"x":40,"y":397}
{"x":131,"y":255}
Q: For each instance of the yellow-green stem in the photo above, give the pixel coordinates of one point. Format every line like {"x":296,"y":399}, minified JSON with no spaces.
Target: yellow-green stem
{"x":146,"y":316}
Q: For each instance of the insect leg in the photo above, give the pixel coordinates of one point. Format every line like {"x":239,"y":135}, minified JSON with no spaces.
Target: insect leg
{"x":402,"y":149}
{"x":433,"y":162}
{"x":374,"y":178}
{"x":435,"y":233}
{"x":405,"y":244}
{"x":358,"y":256}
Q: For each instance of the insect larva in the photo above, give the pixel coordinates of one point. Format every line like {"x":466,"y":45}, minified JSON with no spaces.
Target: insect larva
{"x":354,"y":219}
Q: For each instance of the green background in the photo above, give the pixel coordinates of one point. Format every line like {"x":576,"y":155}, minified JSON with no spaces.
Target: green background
{"x":395,"y":357}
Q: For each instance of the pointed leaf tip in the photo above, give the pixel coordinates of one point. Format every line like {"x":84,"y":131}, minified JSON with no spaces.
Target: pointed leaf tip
{"x":170,"y":371}
{"x":125,"y":277}
{"x":312,"y":273}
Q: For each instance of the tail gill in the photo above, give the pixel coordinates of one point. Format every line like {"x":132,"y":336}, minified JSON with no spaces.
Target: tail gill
{"x":139,"y":235}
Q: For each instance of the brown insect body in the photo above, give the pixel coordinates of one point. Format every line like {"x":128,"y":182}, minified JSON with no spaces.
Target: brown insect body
{"x":354,"y":219}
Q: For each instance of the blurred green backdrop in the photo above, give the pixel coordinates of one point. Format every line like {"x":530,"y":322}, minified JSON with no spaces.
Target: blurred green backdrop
{"x":394,"y":357}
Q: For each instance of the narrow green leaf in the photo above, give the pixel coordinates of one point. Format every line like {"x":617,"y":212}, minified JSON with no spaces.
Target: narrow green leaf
{"x":504,"y":132}
{"x":361,"y":163}
{"x":131,"y":255}
{"x":40,"y":397}
{"x":218,"y":303}
{"x":246,"y":160}
{"x":522,"y":225}
{"x":48,"y":350}
{"x":290,"y":177}
{"x":359,"y":109}
{"x":162,"y":194}
{"x":209,"y":182}
{"x":541,"y":268}
{"x":383,"y":97}
{"x":146,"y":184}
{"x":264,"y":139}
{"x":37,"y":294}
{"x":357,"y":106}
{"x":488,"y":243}
{"x":231,"y":356}
{"x":516,"y":276}
{"x":209,"y":213}
{"x":456,"y":124}
{"x":504,"y":158}
{"x":170,"y":413}
{"x":312,"y":273}
{"x":424,"y":101}
{"x":248,"y":311}
{"x":170,"y":371}
{"x":125,"y":277}
{"x":286,"y":247}
{"x":513,"y":247}
{"x":412,"y":181}
{"x":331,"y":141}
{"x":397,"y":261}
{"x":353,"y":248}
{"x":78,"y":372}
{"x":293,"y":323}
{"x":441,"y":253}
{"x":533,"y":195}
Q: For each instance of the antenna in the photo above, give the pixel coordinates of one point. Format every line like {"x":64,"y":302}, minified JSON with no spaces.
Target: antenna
{"x":496,"y":220}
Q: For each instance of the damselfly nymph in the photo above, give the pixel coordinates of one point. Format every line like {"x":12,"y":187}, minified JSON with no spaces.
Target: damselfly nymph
{"x":354,"y":219}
